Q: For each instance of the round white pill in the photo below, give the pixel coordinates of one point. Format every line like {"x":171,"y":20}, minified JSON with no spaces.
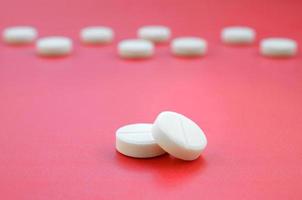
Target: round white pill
{"x":278,"y":47}
{"x":97,"y":35}
{"x":179,"y":135}
{"x":238,"y":35}
{"x":135,"y":48}
{"x":189,"y":46}
{"x":20,"y":35}
{"x":154,"y":33}
{"x":136,"y":140}
{"x":54,"y":46}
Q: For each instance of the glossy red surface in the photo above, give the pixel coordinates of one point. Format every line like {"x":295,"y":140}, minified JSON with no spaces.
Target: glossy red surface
{"x":58,"y":116}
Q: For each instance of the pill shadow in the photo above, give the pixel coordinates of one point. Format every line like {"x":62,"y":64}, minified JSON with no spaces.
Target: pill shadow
{"x":167,"y":170}
{"x":188,"y":58}
{"x":54,"y":57}
{"x":134,"y":60}
{"x":277,"y":58}
{"x":19,"y":45}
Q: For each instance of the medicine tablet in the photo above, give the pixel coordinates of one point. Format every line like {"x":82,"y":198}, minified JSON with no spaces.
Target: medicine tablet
{"x":97,"y":35}
{"x":154,"y":33}
{"x":278,"y":47}
{"x":20,"y":35}
{"x":189,"y":46}
{"x":54,"y":46}
{"x":136,"y":140}
{"x":135,"y":48}
{"x":179,"y":135}
{"x":238,"y":35}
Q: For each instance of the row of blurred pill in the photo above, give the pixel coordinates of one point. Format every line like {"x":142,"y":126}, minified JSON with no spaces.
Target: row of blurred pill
{"x":143,"y":46}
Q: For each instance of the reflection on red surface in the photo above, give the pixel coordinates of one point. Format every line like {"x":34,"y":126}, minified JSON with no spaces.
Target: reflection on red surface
{"x":164,"y":170}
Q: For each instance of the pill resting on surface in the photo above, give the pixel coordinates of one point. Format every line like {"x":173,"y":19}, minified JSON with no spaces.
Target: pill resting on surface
{"x":179,"y":135}
{"x":135,"y":48}
{"x":54,"y":46}
{"x":278,"y":47}
{"x":136,"y":140}
{"x":97,"y":35}
{"x":154,"y":33}
{"x":189,"y":46}
{"x":238,"y":35}
{"x":19,"y":34}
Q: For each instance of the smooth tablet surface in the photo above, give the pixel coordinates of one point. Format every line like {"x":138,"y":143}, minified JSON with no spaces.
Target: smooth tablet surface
{"x":154,"y":33}
{"x":20,"y":35}
{"x":238,"y":35}
{"x":135,"y":48}
{"x":179,"y":135}
{"x":54,"y":46}
{"x":136,"y":140}
{"x":97,"y":35}
{"x":278,"y":47}
{"x":189,"y":46}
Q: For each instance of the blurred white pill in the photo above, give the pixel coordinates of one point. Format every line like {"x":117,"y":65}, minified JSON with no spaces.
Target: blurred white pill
{"x":189,"y":46}
{"x":97,"y":35}
{"x":54,"y":46}
{"x":136,"y":140}
{"x":154,"y":33}
{"x":135,"y":48}
{"x":20,"y":35}
{"x":238,"y":35}
{"x":179,"y":135}
{"x":278,"y":47}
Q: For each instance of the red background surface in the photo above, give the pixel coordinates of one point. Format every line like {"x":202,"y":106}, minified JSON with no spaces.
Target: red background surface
{"x":58,"y":116}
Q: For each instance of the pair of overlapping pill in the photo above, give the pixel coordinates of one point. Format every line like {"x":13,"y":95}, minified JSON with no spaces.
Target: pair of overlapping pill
{"x":182,"y":46}
{"x":171,"y":132}
{"x":271,"y":47}
{"x":94,"y":35}
{"x":48,"y":46}
{"x":58,"y":45}
{"x":143,"y":47}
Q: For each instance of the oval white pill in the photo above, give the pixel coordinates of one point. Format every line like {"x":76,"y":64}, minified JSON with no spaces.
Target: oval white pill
{"x":135,"y":48}
{"x":179,"y":135}
{"x":54,"y":46}
{"x":154,"y":33}
{"x":278,"y":47}
{"x":136,"y":140}
{"x":238,"y":35}
{"x":20,"y":35}
{"x":189,"y":46}
{"x":97,"y":35}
